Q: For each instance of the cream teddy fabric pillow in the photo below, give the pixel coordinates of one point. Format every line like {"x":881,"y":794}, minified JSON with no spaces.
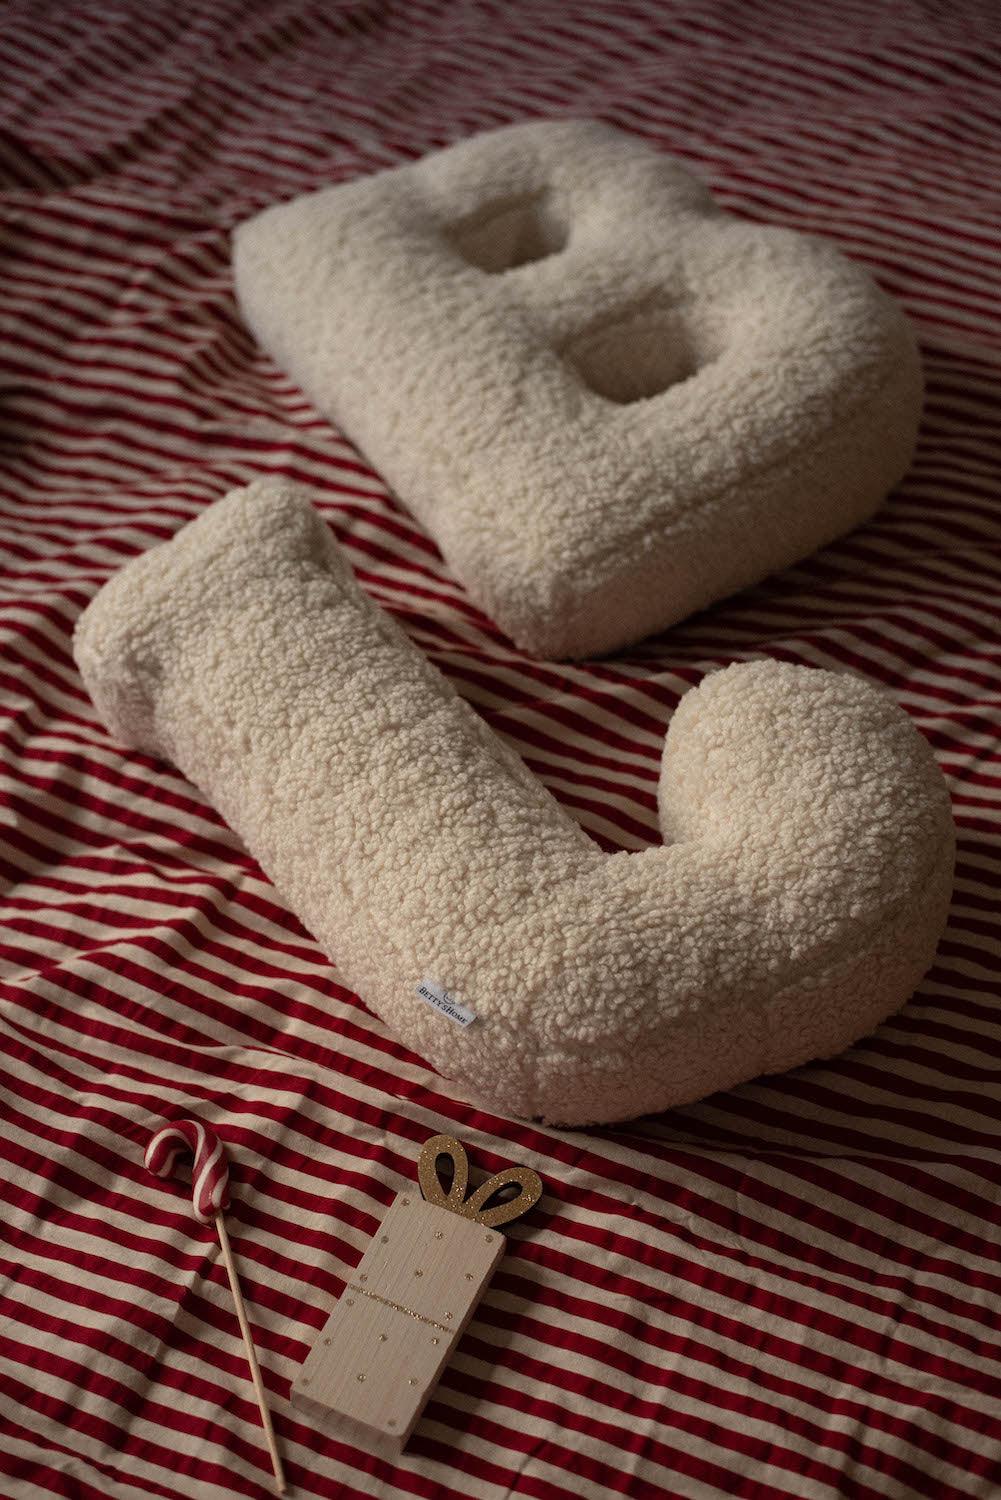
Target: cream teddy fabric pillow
{"x":609,"y":402}
{"x":796,"y":902}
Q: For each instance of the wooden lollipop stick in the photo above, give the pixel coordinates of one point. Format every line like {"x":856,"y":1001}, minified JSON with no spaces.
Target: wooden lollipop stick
{"x":210,"y":1195}
{"x":255,"y":1371}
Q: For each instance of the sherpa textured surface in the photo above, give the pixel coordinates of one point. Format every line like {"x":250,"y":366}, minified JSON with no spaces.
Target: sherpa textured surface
{"x":798,"y":902}
{"x":792,"y":1288}
{"x":610,"y":402}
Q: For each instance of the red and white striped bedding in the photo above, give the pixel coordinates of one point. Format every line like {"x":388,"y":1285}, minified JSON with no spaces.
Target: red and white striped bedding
{"x":791,"y":1289}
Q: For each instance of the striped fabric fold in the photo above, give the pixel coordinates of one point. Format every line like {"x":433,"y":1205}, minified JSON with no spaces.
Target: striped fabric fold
{"x":791,"y":1289}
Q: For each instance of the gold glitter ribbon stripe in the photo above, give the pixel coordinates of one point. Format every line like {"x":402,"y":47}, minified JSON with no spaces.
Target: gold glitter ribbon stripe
{"x":398,"y":1307}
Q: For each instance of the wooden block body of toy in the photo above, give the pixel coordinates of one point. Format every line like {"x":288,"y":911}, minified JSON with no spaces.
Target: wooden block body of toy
{"x":381,"y":1352}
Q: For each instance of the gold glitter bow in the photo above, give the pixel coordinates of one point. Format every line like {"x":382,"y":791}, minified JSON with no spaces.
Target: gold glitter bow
{"x":455,"y":1198}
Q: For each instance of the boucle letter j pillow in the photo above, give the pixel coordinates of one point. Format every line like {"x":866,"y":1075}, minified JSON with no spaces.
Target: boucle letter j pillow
{"x":796,"y":901}
{"x":609,"y":401}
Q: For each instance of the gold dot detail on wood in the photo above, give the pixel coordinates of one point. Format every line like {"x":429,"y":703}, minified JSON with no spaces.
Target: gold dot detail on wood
{"x":351,"y":1302}
{"x":359,"y":1377}
{"x":418,"y":1273}
{"x":448,"y":1315}
{"x":439,"y":1234}
{"x":382,"y":1338}
{"x":412,"y":1380}
{"x":406,"y":1202}
{"x":434,"y":1341}
{"x":362,"y":1278}
{"x":469,"y":1275}
{"x":326,"y":1341}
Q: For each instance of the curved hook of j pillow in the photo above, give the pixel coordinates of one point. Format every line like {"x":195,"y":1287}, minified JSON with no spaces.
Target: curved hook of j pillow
{"x":795,"y":903}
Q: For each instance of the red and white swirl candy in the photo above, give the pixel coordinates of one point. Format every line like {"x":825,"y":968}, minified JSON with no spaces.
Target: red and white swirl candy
{"x":209,"y":1172}
{"x":210,"y":1196}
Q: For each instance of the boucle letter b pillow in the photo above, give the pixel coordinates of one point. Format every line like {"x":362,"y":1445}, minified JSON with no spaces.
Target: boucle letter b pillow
{"x":610,"y":402}
{"x":796,"y":901}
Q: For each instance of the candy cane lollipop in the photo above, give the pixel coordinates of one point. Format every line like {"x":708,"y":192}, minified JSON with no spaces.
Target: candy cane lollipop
{"x":210,"y":1194}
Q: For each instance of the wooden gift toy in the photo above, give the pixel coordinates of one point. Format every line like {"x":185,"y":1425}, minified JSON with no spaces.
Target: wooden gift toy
{"x":381,"y":1352}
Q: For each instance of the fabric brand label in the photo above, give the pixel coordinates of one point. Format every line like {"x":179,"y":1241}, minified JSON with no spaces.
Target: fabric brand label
{"x":442,"y":1001}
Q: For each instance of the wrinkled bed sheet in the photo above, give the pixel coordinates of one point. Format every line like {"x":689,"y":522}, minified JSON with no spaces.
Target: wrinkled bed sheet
{"x":790,"y":1289}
